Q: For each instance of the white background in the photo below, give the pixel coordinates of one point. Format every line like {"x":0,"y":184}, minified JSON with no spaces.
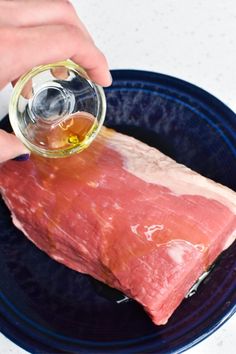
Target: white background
{"x":193,"y":40}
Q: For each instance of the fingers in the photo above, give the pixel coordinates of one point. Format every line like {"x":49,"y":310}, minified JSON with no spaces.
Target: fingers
{"x":32,"y":16}
{"x":95,"y":64}
{"x":46,"y":44}
{"x":10,"y":146}
{"x":23,"y":13}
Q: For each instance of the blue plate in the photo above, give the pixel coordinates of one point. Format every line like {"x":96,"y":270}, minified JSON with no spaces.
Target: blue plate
{"x":46,"y":307}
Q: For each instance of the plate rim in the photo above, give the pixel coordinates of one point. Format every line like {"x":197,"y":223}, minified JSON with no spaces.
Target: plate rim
{"x":138,"y":75}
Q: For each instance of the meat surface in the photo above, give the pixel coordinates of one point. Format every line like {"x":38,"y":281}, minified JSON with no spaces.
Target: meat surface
{"x":126,"y":214}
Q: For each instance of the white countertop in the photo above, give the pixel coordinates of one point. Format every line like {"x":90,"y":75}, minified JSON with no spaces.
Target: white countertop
{"x":193,"y":40}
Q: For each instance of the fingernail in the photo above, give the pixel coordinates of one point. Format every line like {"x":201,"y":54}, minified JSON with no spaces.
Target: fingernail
{"x":23,"y":157}
{"x":111,"y":78}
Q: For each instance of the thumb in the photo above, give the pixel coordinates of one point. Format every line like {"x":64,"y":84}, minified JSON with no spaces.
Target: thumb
{"x":10,"y":147}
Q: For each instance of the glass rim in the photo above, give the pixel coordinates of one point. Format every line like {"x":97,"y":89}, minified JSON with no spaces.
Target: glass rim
{"x":60,"y":152}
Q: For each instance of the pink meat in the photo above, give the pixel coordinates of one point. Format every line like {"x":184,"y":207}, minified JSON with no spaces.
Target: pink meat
{"x":126,"y":214}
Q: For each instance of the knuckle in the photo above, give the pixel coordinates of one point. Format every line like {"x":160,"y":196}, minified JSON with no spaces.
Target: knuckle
{"x":68,"y":4}
{"x":7,"y":38}
{"x":72,"y":31}
{"x":72,"y":37}
{"x":66,"y":10}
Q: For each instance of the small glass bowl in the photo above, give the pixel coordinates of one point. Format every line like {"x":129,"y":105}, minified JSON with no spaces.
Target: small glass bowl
{"x":56,"y":110}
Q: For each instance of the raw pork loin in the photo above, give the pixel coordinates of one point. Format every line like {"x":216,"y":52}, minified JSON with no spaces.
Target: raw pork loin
{"x":126,"y":214}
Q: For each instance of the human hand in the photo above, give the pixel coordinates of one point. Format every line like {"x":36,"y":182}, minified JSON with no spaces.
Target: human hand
{"x":36,"y":32}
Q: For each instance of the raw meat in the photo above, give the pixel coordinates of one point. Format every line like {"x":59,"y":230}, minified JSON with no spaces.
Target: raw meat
{"x":126,"y":214}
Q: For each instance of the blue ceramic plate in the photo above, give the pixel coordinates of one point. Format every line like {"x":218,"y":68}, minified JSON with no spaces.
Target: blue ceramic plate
{"x":47,"y":308}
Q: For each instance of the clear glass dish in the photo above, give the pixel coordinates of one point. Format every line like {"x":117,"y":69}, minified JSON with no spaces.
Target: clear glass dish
{"x":56,"y":110}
